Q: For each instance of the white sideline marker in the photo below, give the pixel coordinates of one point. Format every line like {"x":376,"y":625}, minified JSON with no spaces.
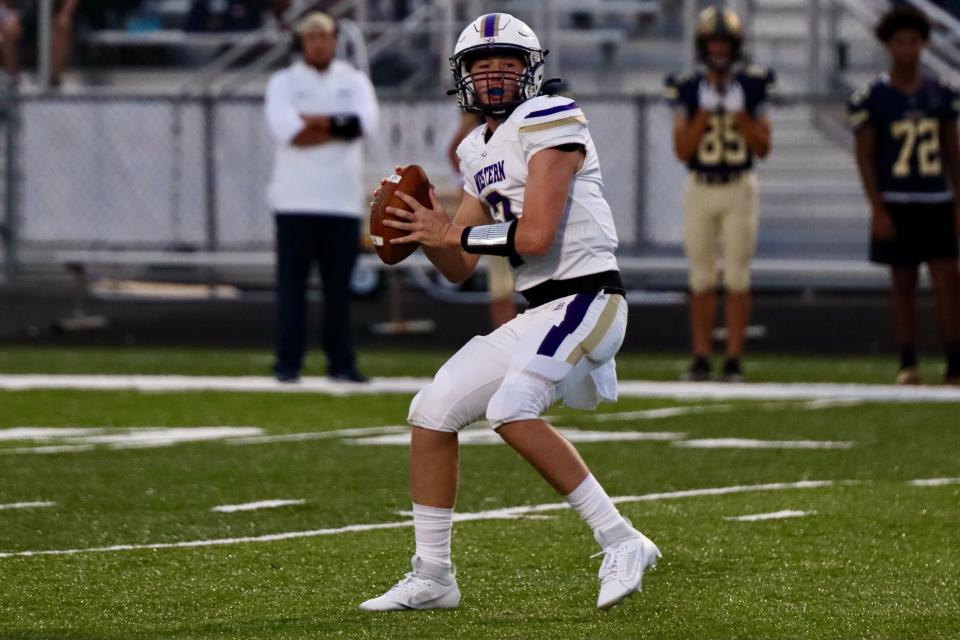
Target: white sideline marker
{"x":319,"y":435}
{"x":253,"y":506}
{"x":58,"y":448}
{"x":773,"y":515}
{"x":38,"y":504}
{"x":627,"y":388}
{"x":748,"y":443}
{"x":934,"y":482}
{"x":80,"y":439}
{"x":487,"y":436}
{"x":648,"y":414}
{"x":47,"y":433}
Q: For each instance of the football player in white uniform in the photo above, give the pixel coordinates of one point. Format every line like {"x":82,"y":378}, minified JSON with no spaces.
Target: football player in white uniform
{"x":533,"y":194}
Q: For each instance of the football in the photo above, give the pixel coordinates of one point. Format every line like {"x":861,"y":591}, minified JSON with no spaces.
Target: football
{"x":411,"y":180}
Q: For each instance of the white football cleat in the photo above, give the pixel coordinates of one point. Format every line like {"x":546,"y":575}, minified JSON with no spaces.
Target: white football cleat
{"x":428,"y":586}
{"x":627,"y":553}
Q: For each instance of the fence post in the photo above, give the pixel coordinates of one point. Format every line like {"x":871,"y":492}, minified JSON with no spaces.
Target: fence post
{"x":44,"y":43}
{"x":640,"y":237}
{"x":11,"y":109}
{"x":210,"y":169}
{"x":814,"y":72}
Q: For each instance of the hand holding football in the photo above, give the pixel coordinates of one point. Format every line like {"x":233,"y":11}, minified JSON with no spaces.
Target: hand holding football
{"x":411,"y":180}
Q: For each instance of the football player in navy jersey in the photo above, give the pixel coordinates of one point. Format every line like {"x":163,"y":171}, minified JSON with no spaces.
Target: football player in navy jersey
{"x":909,"y":159}
{"x":720,"y":125}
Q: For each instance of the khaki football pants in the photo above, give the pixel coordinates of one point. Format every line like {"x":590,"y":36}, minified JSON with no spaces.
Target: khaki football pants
{"x":499,"y":277}
{"x":724,"y":215}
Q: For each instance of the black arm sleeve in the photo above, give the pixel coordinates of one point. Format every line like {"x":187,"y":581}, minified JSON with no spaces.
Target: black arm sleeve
{"x":345,"y":126}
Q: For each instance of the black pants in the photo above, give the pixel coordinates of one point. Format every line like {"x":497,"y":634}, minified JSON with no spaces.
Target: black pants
{"x":333,"y":242}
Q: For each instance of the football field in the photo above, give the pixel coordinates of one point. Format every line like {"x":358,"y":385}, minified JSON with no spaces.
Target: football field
{"x":141,"y":509}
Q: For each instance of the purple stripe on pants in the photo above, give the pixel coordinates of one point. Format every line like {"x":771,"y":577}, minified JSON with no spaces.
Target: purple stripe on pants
{"x":576,"y":311}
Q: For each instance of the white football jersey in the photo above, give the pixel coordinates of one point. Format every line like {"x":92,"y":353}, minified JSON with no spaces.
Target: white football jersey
{"x":495,"y":172}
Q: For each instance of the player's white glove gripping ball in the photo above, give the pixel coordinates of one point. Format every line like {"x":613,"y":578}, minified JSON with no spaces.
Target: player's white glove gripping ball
{"x":732,"y":99}
{"x":708,"y":96}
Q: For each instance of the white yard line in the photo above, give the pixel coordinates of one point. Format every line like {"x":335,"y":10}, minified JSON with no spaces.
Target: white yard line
{"x":495,"y":514}
{"x":796,"y":391}
{"x":487,"y":436}
{"x":59,"y":448}
{"x":773,"y":515}
{"x":76,"y":439}
{"x":627,"y":388}
{"x":649,"y":414}
{"x":47,"y":433}
{"x":209,"y":383}
{"x":321,"y":435}
{"x":39,"y":504}
{"x":254,"y":506}
{"x":748,"y":443}
{"x":934,"y":482}
{"x":831,"y":403}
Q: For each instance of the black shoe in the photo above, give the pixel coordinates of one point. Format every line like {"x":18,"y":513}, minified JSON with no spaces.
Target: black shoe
{"x":699,"y":371}
{"x":286,"y":376}
{"x":348,"y":376}
{"x":732,"y":371}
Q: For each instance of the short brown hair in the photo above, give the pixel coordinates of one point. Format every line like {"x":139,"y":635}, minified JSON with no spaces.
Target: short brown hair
{"x":902,"y":18}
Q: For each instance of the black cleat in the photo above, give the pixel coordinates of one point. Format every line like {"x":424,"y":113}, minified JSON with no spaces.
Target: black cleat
{"x":732,"y":371}
{"x":352,"y":375}
{"x":699,"y":370}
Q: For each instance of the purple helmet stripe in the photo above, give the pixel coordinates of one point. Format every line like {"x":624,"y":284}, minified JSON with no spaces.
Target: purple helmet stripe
{"x":574,"y":315}
{"x":547,"y":112}
{"x":490,"y":25}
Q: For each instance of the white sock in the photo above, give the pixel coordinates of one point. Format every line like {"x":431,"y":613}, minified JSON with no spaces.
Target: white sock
{"x":431,"y":530}
{"x":594,"y":505}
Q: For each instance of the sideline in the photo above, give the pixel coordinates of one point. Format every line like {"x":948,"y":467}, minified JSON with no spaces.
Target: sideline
{"x":627,"y":388}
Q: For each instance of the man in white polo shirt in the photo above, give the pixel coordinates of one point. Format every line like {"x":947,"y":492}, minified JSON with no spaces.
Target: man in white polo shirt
{"x":318,"y":109}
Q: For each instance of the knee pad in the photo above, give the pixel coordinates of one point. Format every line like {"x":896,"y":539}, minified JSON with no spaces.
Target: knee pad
{"x":436,"y":407}
{"x":450,"y":402}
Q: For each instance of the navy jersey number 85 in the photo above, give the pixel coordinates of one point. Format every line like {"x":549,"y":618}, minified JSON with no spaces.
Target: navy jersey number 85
{"x":722,"y":148}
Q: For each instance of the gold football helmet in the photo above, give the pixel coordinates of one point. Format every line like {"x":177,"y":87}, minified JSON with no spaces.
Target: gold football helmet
{"x":715,"y":23}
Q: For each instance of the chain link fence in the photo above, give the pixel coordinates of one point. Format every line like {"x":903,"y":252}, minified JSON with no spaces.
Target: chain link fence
{"x":167,"y":173}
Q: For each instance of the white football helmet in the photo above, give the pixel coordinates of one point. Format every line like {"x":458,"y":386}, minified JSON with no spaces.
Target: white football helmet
{"x":491,"y":34}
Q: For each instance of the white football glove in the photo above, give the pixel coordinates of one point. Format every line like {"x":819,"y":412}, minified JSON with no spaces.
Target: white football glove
{"x":732,"y":99}
{"x":708,"y":96}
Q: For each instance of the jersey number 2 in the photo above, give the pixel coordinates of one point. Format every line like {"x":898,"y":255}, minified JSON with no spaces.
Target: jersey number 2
{"x":922,"y":134}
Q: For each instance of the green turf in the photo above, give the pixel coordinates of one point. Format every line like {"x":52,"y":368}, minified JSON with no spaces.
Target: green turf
{"x":879,"y":558}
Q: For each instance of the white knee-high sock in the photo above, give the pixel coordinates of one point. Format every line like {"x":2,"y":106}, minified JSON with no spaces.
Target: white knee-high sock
{"x":594,"y":505}
{"x":431,"y":530}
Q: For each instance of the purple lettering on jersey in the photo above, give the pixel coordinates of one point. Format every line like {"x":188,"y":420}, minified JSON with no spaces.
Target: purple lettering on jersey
{"x":488,"y":175}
